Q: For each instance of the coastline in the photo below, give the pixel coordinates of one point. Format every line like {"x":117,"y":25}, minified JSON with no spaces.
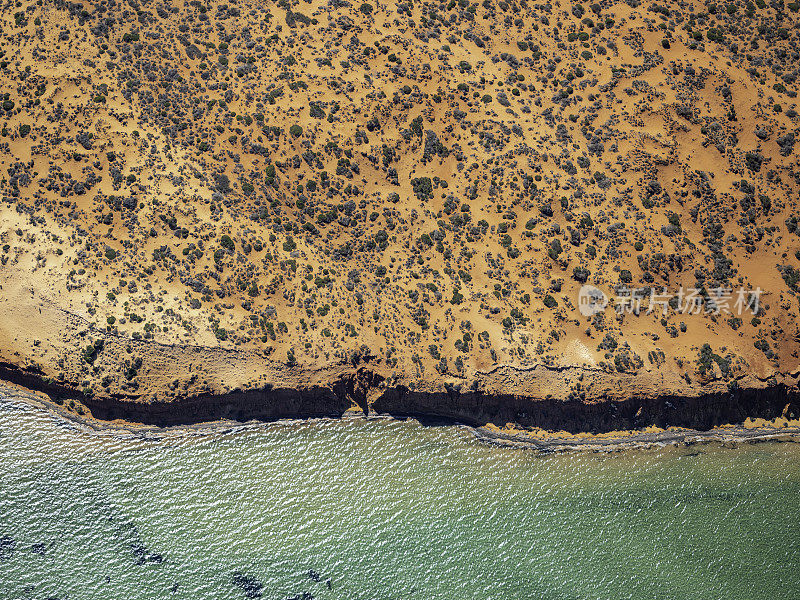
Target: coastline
{"x":180,"y":385}
{"x":552,"y":442}
{"x":533,"y":439}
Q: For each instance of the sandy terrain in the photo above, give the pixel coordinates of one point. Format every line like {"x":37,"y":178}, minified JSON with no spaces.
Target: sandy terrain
{"x":202,"y":198}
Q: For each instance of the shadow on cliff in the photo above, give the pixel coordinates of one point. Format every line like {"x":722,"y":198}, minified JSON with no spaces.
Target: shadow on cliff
{"x":702,"y":412}
{"x":363,"y":391}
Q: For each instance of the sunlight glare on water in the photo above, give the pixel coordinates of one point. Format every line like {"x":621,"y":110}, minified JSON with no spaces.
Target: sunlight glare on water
{"x":384,"y":509}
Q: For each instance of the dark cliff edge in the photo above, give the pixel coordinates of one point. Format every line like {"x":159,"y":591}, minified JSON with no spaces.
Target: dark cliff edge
{"x":266,"y":404}
{"x":700,"y":413}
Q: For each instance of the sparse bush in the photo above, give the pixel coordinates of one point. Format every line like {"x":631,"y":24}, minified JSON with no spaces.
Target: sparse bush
{"x":423,"y":187}
{"x":226,"y":242}
{"x":581,"y":274}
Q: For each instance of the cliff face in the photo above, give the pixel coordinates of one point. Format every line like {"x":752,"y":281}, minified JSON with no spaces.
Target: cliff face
{"x":700,"y":412}
{"x":365,"y":391}
{"x":154,"y":383}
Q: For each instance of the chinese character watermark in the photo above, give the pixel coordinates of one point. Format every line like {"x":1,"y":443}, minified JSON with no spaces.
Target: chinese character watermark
{"x":713,"y":301}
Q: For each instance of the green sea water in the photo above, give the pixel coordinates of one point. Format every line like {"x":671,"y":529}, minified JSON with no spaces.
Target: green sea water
{"x":383,"y":509}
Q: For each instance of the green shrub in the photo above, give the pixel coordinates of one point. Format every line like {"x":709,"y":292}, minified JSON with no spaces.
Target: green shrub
{"x":581,"y":274}
{"x":555,"y":249}
{"x":423,"y":187}
{"x":226,"y":242}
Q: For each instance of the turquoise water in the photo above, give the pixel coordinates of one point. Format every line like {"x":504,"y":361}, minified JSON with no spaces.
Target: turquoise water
{"x":385,"y":510}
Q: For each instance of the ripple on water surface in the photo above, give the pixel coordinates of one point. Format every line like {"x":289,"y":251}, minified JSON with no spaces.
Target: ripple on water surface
{"x":384,"y":509}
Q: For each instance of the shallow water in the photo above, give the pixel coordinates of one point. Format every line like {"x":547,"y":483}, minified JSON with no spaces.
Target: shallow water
{"x":385,"y":509}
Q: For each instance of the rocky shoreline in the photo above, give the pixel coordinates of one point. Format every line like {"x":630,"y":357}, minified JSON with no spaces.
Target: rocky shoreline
{"x":188,"y":385}
{"x":541,"y":424}
{"x":631,"y":440}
